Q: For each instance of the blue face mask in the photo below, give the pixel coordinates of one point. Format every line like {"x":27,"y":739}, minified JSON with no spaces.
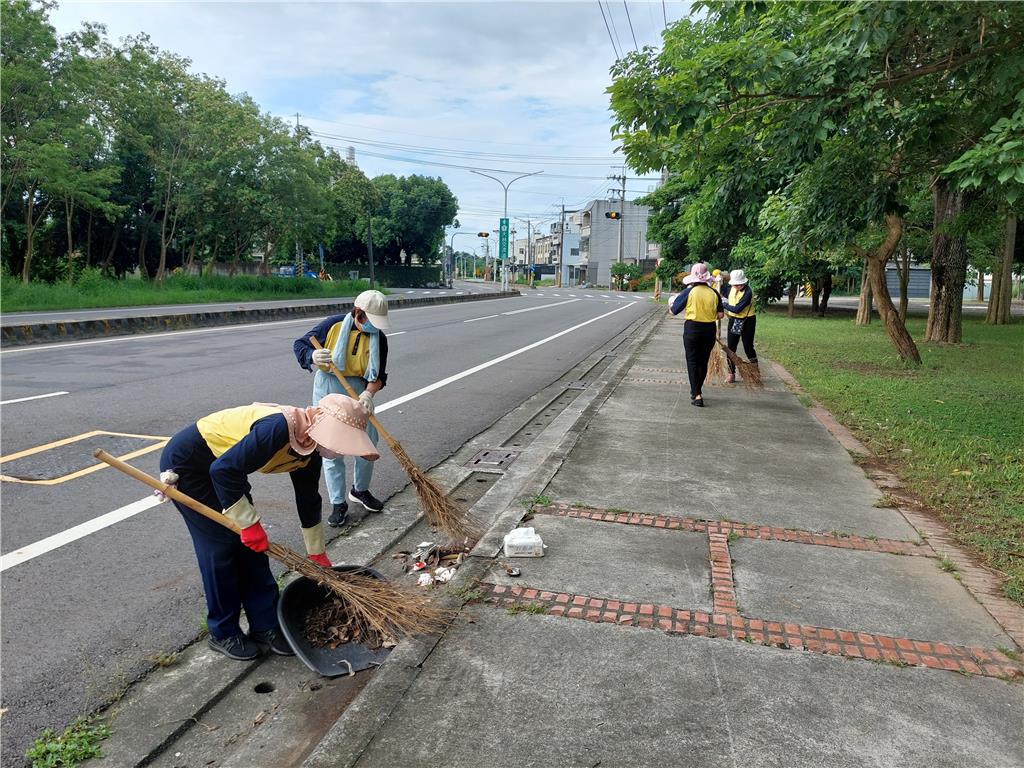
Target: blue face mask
{"x":368,"y":326}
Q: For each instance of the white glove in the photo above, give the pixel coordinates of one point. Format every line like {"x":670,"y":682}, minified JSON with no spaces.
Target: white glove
{"x":367,"y":399}
{"x":322,"y":357}
{"x":169,"y":478}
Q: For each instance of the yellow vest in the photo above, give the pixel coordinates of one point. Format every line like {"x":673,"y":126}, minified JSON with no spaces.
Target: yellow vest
{"x":701,"y":304}
{"x":734,"y":297}
{"x":224,"y":429}
{"x":357,"y":351}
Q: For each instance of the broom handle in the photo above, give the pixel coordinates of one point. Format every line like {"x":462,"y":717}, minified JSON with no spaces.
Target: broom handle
{"x":352,"y":393}
{"x":169,"y":491}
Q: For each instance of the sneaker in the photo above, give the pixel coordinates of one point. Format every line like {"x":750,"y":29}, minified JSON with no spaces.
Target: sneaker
{"x":239,"y":647}
{"x":274,"y":640}
{"x":367,"y":499}
{"x":339,"y":515}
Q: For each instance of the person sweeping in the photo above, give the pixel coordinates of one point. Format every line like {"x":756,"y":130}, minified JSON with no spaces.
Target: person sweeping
{"x":701,"y":307}
{"x":211,"y":461}
{"x":355,"y":343}
{"x":742,"y":319}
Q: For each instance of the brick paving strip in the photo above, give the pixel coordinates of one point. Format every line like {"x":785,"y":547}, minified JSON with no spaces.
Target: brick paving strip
{"x":726,"y":528}
{"x":900,"y":651}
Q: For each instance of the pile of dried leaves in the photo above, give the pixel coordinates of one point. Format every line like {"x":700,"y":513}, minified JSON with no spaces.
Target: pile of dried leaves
{"x":331,"y":624}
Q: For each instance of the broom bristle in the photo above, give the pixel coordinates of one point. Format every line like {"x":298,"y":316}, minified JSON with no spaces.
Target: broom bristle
{"x":716,"y":367}
{"x":440,"y":510}
{"x":749,"y":372}
{"x":377,"y":606}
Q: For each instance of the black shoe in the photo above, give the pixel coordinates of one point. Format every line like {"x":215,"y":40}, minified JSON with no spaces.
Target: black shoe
{"x":339,"y":515}
{"x":274,"y":640}
{"x":367,"y":499}
{"x":698,"y":402}
{"x":239,"y":647}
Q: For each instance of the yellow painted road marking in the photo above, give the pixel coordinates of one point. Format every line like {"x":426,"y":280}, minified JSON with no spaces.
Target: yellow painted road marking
{"x":161,"y":442}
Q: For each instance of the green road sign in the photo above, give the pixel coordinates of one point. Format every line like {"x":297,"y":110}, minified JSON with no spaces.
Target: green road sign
{"x":503,"y":240}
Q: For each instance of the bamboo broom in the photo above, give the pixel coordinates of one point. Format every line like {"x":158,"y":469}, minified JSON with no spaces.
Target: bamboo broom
{"x":378,"y":607}
{"x":440,"y":510}
{"x":749,"y":372}
{"x":716,"y":367}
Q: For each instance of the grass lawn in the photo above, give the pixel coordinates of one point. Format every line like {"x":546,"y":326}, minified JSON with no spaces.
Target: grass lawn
{"x":92,"y":290}
{"x":953,"y":429}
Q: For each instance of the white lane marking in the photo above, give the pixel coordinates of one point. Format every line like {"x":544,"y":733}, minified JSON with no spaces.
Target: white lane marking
{"x":473,"y":320}
{"x":396,"y":333}
{"x":542,"y":306}
{"x":572,"y":294}
{"x":538,"y":294}
{"x":556,"y":295}
{"x":218,"y":329}
{"x":425,"y":293}
{"x":604,"y":296}
{"x":34,"y":397}
{"x":410,"y":291}
{"x":58,"y":540}
{"x":477,"y":368}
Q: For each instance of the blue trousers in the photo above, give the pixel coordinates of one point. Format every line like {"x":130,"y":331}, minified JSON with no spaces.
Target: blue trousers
{"x":334,"y":469}
{"x":234,"y":577}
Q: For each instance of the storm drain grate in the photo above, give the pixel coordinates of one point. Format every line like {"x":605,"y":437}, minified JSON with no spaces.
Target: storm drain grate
{"x":492,"y":460}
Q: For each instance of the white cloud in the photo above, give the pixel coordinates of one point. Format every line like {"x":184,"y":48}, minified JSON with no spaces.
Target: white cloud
{"x":525,"y":78}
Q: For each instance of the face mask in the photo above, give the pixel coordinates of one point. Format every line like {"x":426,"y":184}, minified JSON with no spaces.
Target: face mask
{"x":368,"y":326}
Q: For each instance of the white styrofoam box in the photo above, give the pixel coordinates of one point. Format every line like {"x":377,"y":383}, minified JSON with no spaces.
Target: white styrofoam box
{"x":523,"y":542}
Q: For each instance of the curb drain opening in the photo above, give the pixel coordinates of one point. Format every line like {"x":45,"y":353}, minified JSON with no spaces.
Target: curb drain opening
{"x":264,"y":687}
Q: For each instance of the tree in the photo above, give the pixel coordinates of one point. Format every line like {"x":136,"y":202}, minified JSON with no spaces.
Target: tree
{"x":411,"y":216}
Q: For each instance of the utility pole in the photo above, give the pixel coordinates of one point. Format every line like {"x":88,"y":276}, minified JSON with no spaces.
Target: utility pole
{"x":622,"y":212}
{"x":561,"y":246}
{"x":369,"y":244}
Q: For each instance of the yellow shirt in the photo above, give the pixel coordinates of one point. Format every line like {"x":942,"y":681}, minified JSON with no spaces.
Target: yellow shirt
{"x":734,"y":298}
{"x":357,"y":350}
{"x":224,"y":429}
{"x":702,"y":304}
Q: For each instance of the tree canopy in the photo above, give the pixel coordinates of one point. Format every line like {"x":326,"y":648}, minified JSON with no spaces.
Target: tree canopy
{"x":120,"y":156}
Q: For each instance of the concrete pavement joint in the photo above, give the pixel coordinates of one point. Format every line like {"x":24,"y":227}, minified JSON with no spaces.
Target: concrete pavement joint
{"x":728,"y":528}
{"x":899,"y":651}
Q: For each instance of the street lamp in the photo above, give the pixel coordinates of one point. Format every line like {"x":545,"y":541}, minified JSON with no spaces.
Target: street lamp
{"x":505,"y":187}
{"x":451,"y":247}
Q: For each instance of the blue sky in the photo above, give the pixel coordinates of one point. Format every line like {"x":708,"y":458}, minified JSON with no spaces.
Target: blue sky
{"x":520,"y":84}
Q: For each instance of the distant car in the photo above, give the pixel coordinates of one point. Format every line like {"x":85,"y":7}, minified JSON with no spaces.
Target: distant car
{"x":289,"y":271}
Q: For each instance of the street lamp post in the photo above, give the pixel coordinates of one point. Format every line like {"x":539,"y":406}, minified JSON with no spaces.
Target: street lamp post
{"x":451,"y":247}
{"x":505,"y":187}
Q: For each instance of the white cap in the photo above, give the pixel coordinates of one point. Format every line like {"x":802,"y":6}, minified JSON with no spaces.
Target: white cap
{"x":375,"y":305}
{"x":736,"y":277}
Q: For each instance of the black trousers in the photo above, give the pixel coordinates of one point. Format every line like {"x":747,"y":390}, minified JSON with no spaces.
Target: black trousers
{"x":748,"y":340}
{"x":698,"y":341}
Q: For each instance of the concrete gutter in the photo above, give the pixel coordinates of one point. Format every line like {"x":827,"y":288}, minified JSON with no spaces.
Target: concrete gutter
{"x":40,"y":333}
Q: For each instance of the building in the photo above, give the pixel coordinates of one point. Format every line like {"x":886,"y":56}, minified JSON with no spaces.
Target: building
{"x":599,"y":237}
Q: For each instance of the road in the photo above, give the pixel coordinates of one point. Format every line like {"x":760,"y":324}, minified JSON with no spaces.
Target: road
{"x":86,"y":612}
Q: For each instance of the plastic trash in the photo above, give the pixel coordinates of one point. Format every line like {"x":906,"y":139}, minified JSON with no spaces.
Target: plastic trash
{"x":444,"y":575}
{"x":523,"y":542}
{"x":425,"y":580}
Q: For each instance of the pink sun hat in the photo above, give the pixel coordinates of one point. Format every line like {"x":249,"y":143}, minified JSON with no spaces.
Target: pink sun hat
{"x":339,"y":424}
{"x":698,"y":274}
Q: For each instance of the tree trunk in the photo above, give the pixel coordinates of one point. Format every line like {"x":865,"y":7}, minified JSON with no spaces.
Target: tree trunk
{"x":29,"y":235}
{"x":191,"y":257}
{"x":1002,"y":278}
{"x":981,"y":285}
{"x":105,"y":266}
{"x":864,"y":306}
{"x":826,"y":292}
{"x":143,"y":241}
{"x":69,"y":207}
{"x":792,"y":300}
{"x":815,"y":295}
{"x":876,"y":263}
{"x":903,"y":272}
{"x":949,"y":267}
{"x":88,"y":241}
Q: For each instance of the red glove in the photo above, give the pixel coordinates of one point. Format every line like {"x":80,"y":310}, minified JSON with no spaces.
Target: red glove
{"x":321,"y":560}
{"x":255,"y":538}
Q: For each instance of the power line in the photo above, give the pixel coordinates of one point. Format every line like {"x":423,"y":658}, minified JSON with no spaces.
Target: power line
{"x":630,"y":26}
{"x":616,"y":50}
{"x":615,"y":28}
{"x":664,"y":13}
{"x":473,"y":154}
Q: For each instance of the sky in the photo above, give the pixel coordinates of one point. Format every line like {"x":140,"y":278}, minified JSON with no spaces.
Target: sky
{"x":513,"y":86}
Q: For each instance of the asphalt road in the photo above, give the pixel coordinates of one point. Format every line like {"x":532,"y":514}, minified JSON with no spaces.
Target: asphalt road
{"x":92,"y":613}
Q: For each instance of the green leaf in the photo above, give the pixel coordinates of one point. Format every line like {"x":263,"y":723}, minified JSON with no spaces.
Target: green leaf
{"x":1005,"y":173}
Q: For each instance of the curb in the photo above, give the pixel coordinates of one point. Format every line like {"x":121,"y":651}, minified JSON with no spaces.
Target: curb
{"x":39,"y":333}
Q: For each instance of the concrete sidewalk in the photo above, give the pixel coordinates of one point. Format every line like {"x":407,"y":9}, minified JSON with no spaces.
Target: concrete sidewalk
{"x":720,"y":588}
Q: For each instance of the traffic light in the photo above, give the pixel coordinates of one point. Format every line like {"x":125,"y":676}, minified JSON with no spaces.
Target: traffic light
{"x":483,"y":234}
{"x":612,"y":215}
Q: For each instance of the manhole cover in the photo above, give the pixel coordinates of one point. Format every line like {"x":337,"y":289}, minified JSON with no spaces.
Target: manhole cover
{"x":577,"y":385}
{"x":492,"y":460}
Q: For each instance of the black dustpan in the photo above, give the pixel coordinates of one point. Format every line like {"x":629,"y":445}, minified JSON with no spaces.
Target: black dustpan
{"x":297,"y":598}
